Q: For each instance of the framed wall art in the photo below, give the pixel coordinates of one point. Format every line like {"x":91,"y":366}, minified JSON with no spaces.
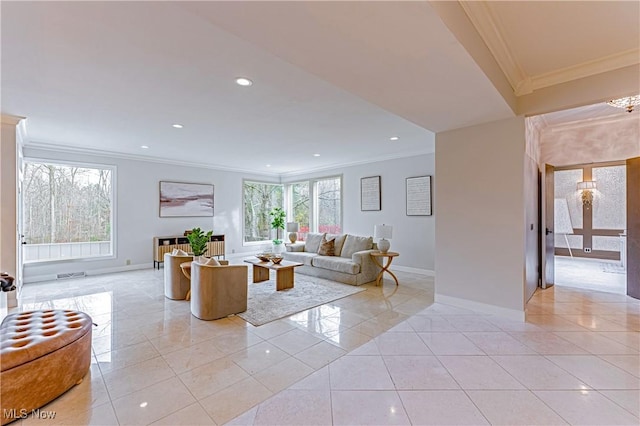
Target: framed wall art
{"x":180,"y":199}
{"x":419,"y":196}
{"x":370,"y":193}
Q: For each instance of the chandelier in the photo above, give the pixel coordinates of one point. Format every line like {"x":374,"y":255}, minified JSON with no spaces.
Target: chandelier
{"x":627,"y":103}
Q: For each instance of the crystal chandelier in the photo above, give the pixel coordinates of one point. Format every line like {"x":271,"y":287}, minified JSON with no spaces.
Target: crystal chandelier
{"x":627,"y":103}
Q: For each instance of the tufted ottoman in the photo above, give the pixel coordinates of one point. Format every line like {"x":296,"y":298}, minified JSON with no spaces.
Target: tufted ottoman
{"x":42,"y":355}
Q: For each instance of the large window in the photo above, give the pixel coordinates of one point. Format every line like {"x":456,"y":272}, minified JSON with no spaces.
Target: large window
{"x":328,"y":194}
{"x":67,"y":211}
{"x":300,"y":207}
{"x":315,"y":204}
{"x":259,"y":198}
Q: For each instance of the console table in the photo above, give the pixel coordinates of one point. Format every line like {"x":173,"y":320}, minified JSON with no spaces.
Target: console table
{"x":389,"y":255}
{"x":162,"y":245}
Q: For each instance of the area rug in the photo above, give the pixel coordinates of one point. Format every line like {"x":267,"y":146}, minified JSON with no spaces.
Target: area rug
{"x":265,"y":304}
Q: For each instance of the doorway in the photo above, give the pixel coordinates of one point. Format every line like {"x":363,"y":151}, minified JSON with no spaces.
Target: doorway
{"x":590,"y":226}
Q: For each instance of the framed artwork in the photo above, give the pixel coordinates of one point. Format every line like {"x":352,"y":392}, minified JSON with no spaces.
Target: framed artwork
{"x":370,"y":193}
{"x":179,"y":199}
{"x":419,"y":196}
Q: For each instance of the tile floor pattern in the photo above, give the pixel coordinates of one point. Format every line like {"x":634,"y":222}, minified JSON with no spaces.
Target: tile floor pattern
{"x":384,"y":356}
{"x":154,"y":362}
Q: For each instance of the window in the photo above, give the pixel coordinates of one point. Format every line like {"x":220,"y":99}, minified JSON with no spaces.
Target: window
{"x":67,"y":211}
{"x":328,"y":195}
{"x":259,"y":198}
{"x":316,"y":205}
{"x":299,"y":207}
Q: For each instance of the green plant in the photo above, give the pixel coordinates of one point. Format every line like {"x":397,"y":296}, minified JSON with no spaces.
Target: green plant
{"x":277,"y":222}
{"x":198,"y":241}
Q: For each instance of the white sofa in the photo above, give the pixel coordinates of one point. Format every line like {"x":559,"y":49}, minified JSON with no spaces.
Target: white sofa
{"x":351,"y":263}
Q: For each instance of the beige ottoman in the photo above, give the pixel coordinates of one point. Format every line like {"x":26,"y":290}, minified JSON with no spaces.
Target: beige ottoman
{"x":43,"y":354}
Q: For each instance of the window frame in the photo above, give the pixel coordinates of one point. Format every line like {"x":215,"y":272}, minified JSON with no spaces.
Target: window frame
{"x":262,"y":242}
{"x":113,"y":201}
{"x":313,"y":201}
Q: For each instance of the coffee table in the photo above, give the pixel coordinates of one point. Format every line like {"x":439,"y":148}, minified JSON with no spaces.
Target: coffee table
{"x":284,"y":272}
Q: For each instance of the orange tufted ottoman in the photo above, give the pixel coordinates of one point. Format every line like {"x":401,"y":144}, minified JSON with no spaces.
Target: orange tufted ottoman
{"x":42,"y":355}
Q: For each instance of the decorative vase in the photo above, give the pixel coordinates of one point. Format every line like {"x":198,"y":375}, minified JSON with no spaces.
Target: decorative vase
{"x":279,"y":248}
{"x":384,"y":245}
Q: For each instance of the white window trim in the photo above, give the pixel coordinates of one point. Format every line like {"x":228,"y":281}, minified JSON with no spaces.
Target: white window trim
{"x":114,"y":185}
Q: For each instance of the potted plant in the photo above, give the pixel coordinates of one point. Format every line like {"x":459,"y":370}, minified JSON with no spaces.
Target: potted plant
{"x":277,"y":223}
{"x":198,"y":241}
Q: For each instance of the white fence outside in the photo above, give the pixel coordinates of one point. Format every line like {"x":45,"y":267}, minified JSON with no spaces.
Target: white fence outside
{"x":61,"y":251}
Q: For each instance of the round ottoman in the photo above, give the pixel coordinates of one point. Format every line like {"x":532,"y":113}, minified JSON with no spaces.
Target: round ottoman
{"x":44,"y":354}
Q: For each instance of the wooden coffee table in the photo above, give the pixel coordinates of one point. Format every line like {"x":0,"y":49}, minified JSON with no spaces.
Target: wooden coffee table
{"x":284,"y":272}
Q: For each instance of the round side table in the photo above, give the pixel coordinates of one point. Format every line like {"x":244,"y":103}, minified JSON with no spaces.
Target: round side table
{"x":389,"y":255}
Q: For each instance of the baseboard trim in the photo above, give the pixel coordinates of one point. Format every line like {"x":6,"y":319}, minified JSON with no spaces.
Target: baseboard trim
{"x":53,"y":277}
{"x":419,"y":271}
{"x":480,"y":307}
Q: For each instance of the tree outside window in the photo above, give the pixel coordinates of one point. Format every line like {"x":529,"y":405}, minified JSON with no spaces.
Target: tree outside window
{"x":67,"y":211}
{"x":259,"y":198}
{"x":329,"y":201}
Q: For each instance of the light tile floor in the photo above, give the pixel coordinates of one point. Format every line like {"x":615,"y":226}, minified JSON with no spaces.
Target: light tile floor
{"x":154,"y":362}
{"x":384,"y":356}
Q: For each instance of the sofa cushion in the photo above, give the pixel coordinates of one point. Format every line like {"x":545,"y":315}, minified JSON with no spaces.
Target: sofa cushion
{"x":210,"y":261}
{"x":312,"y":242}
{"x":338,"y":264}
{"x":327,"y":248}
{"x":354,"y":243}
{"x":299,"y":256}
{"x":339,"y":242}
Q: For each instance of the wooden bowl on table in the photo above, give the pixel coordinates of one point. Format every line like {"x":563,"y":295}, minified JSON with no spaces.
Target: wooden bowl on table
{"x":265,"y":257}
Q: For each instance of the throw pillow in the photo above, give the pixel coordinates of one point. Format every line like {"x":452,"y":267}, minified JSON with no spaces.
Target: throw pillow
{"x":327,"y":248}
{"x":339,"y":238}
{"x":178,"y":252}
{"x":353,"y":244}
{"x":312,"y":242}
{"x":212,"y":262}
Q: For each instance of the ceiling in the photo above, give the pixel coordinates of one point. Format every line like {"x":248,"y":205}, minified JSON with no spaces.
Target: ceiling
{"x":337,"y":79}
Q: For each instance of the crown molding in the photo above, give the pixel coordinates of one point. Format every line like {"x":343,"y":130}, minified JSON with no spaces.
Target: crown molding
{"x":586,"y":69}
{"x":306,"y":172}
{"x":490,"y":31}
{"x":111,"y":154}
{"x":101,"y":153}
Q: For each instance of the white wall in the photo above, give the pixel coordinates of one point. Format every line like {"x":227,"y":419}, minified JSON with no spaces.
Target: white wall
{"x":137,"y":220}
{"x":591,"y":141}
{"x":480,"y":261}
{"x":413,"y":236}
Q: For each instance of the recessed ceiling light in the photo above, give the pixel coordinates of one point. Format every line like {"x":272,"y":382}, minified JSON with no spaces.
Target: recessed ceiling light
{"x":316,"y":155}
{"x":242,"y":81}
{"x":144,"y":147}
{"x":394,"y":138}
{"x":178,"y":126}
{"x":268,"y":165}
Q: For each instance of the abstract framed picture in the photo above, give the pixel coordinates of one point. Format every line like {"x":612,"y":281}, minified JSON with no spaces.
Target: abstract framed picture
{"x":419,"y":196}
{"x":180,"y":199}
